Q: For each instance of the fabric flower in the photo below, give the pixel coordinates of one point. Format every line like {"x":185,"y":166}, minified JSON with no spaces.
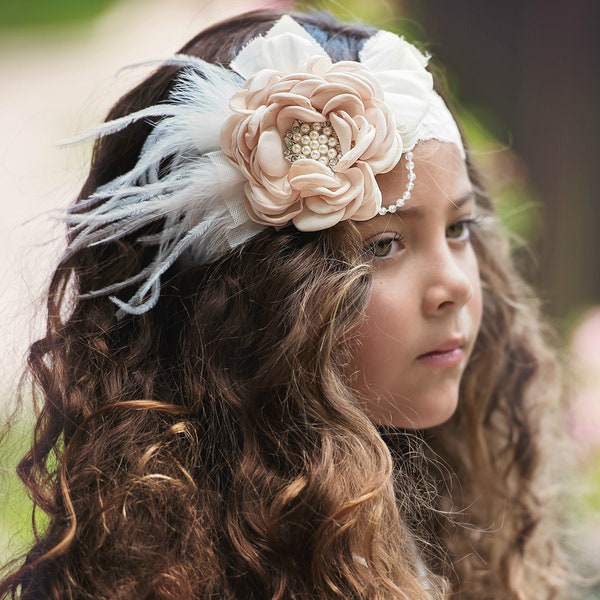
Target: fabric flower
{"x":311,"y":194}
{"x":290,"y":80}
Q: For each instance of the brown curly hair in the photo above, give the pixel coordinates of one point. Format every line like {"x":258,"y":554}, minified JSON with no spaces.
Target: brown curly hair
{"x":212,"y":447}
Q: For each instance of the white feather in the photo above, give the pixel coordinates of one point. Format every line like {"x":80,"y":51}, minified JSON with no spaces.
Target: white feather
{"x":189,"y":196}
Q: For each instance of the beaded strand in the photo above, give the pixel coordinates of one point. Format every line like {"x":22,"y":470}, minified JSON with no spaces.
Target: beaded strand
{"x":410,"y":184}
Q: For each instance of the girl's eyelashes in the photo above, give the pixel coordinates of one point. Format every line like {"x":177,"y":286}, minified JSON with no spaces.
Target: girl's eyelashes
{"x":384,"y":245}
{"x":388,"y":244}
{"x":460,"y":231}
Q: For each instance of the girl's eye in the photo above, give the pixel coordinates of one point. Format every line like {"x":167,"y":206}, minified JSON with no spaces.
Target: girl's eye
{"x":383,"y":246}
{"x":460,"y":231}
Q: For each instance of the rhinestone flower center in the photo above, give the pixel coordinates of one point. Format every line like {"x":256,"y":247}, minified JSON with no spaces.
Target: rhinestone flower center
{"x":317,"y":141}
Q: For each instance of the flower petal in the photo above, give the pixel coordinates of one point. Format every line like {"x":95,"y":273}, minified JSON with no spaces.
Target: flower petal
{"x":387,"y":51}
{"x":287,"y":47}
{"x":269,"y":153}
{"x":309,"y":221}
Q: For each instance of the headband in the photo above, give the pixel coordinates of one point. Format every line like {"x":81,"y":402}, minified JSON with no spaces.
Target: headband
{"x":284,"y":135}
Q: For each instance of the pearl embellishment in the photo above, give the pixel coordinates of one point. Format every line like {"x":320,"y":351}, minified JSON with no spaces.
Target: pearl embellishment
{"x":410,"y":184}
{"x":317,"y":141}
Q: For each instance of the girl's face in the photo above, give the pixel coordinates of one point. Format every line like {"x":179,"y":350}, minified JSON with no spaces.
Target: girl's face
{"x":425,"y":307}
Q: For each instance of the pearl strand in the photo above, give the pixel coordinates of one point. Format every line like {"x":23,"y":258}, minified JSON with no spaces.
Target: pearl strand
{"x":410,"y":184}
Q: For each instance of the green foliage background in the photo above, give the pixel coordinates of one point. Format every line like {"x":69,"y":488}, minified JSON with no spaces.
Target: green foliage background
{"x":27,"y":14}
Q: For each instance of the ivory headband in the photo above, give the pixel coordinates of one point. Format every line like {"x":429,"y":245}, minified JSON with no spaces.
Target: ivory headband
{"x":284,"y":135}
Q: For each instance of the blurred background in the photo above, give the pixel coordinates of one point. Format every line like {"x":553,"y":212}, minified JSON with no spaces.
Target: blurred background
{"x":524,"y":77}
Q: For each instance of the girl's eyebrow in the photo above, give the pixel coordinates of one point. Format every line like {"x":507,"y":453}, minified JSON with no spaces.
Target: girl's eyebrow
{"x":456,"y":204}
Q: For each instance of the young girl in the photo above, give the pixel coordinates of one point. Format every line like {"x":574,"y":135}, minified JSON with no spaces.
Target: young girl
{"x":287,"y":355}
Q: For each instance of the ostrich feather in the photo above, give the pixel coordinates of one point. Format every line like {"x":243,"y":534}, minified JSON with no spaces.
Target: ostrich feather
{"x":196,"y":196}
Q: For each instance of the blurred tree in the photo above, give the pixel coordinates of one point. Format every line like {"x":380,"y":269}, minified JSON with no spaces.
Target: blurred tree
{"x":377,"y":13}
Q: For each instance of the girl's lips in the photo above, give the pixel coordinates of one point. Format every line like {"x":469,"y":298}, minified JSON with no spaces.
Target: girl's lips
{"x":442,"y":358}
{"x":447,"y":354}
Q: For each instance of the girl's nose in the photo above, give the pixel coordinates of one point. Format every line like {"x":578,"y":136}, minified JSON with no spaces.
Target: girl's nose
{"x":449,"y":285}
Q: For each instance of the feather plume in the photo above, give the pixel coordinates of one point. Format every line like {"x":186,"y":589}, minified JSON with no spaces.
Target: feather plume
{"x":192,"y":196}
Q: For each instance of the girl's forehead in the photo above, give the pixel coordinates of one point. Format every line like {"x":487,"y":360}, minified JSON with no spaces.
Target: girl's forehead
{"x":439,"y":169}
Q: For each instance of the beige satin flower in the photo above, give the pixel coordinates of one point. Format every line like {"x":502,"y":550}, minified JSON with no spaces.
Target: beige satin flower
{"x":313,"y":195}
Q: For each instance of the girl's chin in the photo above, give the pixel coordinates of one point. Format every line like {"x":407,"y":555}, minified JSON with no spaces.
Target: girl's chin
{"x":424,"y":418}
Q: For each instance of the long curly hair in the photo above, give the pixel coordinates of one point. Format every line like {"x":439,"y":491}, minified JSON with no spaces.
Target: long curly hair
{"x":213,"y":448}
